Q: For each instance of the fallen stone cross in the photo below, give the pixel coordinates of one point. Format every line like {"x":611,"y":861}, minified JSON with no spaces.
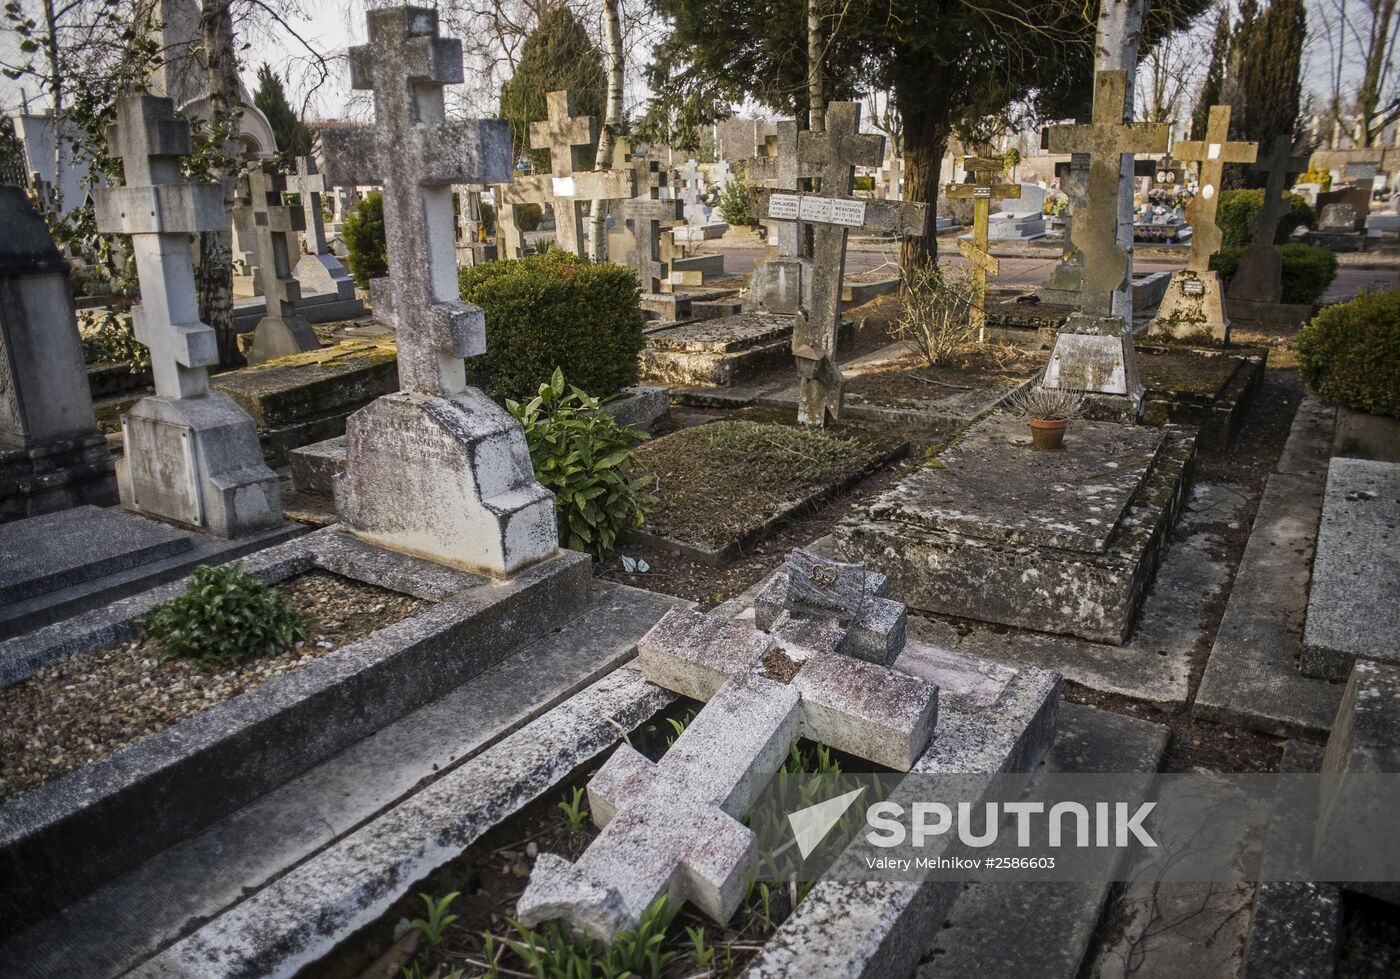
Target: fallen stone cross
{"x":981,"y":192}
{"x":674,"y":827}
{"x":282,"y":331}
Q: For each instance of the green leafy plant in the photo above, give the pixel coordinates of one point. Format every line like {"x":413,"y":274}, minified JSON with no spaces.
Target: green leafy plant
{"x":574,"y":810}
{"x":701,"y":954}
{"x":581,"y":453}
{"x":224,"y":617}
{"x":112,"y":340}
{"x":552,"y":953}
{"x":550,"y":311}
{"x":734,"y":203}
{"x":367,"y":251}
{"x":1238,"y":208}
{"x":528,"y":216}
{"x":434,"y":926}
{"x":1350,"y":353}
{"x":1307,"y":269}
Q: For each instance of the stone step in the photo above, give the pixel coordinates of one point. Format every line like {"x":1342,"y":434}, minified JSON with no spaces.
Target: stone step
{"x":1052,"y":922}
{"x":217,"y":870}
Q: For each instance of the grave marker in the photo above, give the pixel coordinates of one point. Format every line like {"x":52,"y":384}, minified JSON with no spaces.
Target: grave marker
{"x":1259,"y":278}
{"x":282,"y":331}
{"x":319,"y":271}
{"x":782,"y":283}
{"x":192,"y":456}
{"x":981,"y":192}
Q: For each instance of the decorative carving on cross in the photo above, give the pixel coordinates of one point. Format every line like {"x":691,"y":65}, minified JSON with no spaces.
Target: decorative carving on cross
{"x":417,"y":155}
{"x":1107,"y":139}
{"x":160,"y":211}
{"x":308,"y":184}
{"x":982,"y":191}
{"x":1212,"y":153}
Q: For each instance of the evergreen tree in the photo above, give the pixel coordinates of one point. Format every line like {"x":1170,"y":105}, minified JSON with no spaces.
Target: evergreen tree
{"x":293,"y":136}
{"x":1213,"y":85}
{"x":557,"y":55}
{"x":1271,"y":60}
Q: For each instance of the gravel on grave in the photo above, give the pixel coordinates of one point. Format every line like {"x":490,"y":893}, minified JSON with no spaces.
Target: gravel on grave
{"x":85,"y":707}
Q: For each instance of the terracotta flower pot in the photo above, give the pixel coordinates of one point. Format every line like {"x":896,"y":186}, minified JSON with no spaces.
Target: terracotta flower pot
{"x":1048,"y":435}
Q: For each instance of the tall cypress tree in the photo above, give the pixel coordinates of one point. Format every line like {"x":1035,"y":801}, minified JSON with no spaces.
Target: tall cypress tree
{"x":557,"y":55}
{"x":293,"y":136}
{"x":1270,"y":82}
{"x":1213,"y":85}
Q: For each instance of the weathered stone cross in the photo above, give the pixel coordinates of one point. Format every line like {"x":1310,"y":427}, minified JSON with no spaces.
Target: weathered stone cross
{"x":1259,"y":277}
{"x":833,"y":155}
{"x":564,"y":187}
{"x":417,"y":155}
{"x":982,"y":192}
{"x":647,"y":214}
{"x":674,"y":827}
{"x":282,"y":330}
{"x":1212,"y":153}
{"x":892,"y":171}
{"x":690,"y":179}
{"x":319,"y":272}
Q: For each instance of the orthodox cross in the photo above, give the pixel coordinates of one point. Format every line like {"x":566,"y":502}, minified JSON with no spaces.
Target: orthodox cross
{"x":274,"y":225}
{"x":783,"y":171}
{"x":647,"y":214}
{"x":1212,"y":154}
{"x":308,"y":184}
{"x":417,"y":155}
{"x":981,"y":192}
{"x":1279,"y":164}
{"x":1107,"y":139}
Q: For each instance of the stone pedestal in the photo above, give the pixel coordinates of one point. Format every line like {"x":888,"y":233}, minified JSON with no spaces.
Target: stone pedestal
{"x":197,"y":462}
{"x":446,"y":478}
{"x":1093,"y":354}
{"x":321,"y":274}
{"x":1193,"y":308}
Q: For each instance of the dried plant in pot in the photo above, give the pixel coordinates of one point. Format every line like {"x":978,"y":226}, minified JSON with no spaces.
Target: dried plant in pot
{"x":1048,"y":411}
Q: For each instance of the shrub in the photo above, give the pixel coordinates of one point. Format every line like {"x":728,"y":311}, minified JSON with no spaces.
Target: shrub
{"x":1307,"y":269}
{"x":937,"y":315}
{"x":367,"y":253}
{"x":224,"y":617}
{"x":488,"y":217}
{"x":551,"y":311}
{"x":528,"y":216}
{"x":1238,"y":209}
{"x":112,"y":341}
{"x":864,"y":181}
{"x":580,"y":452}
{"x":1350,"y":353}
{"x":734,"y":203}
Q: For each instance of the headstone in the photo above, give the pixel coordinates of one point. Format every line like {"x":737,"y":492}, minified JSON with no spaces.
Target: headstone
{"x":437,"y":469}
{"x":282,"y":331}
{"x":565,"y":188}
{"x":1337,"y":217}
{"x":833,"y":155}
{"x":721,"y":175}
{"x":892,"y":177}
{"x":1066,"y":282}
{"x":191,"y":455}
{"x":1259,"y":278}
{"x":674,"y":826}
{"x":1094,"y":349}
{"x":783,"y":282}
{"x":1359,"y":198}
{"x":981,"y":192}
{"x":51,"y":454}
{"x":1193,"y":302}
{"x":646,"y":216}
{"x":318,"y":271}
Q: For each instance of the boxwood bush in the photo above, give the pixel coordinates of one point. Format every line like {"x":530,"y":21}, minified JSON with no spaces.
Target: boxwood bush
{"x":1350,"y":353}
{"x":555,"y":311}
{"x":1238,"y":208}
{"x":1307,"y":269}
{"x":367,"y":255}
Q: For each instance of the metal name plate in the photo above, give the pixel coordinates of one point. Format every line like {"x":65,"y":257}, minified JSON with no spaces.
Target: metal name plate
{"x":981,"y":192}
{"x":1193,"y":287}
{"x":784,"y":207}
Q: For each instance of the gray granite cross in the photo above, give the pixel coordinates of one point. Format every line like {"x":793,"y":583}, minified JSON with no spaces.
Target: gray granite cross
{"x":1212,"y":153}
{"x":1259,"y":277}
{"x":274,"y":225}
{"x":981,"y":192}
{"x":648,"y":214}
{"x":416,"y":155}
{"x":308,"y":184}
{"x":783,"y":171}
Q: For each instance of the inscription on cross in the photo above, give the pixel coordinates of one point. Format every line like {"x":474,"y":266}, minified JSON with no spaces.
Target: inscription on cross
{"x":1212,"y":153}
{"x":982,"y":191}
{"x":417,"y":155}
{"x":282,"y":331}
{"x":1260,"y":275}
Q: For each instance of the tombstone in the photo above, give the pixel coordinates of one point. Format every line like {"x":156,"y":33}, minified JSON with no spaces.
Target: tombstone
{"x":1339,"y":217}
{"x":833,"y":155}
{"x":645,"y":217}
{"x":1022,"y":221}
{"x":783,"y":283}
{"x":892,"y":177}
{"x":318,"y":271}
{"x":982,"y":192}
{"x":690,"y":184}
{"x":674,"y":827}
{"x":1093,"y":351}
{"x":438,"y":469}
{"x":721,"y":176}
{"x":1358,"y":197}
{"x":191,"y":455}
{"x":1193,"y":302}
{"x":1066,"y":282}
{"x":565,"y":188}
{"x":1259,"y":278}
{"x":51,"y":455}
{"x":282,"y":331}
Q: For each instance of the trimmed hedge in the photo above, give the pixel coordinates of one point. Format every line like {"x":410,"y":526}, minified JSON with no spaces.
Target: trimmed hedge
{"x":555,"y":311}
{"x":1350,"y":353}
{"x":1307,"y":270}
{"x":1238,"y":208}
{"x":366,"y":252}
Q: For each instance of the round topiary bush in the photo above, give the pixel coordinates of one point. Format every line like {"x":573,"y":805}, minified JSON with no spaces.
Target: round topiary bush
{"x":1350,"y":353}
{"x":1307,"y":269}
{"x":1238,"y":209}
{"x":367,"y":254}
{"x":555,"y":311}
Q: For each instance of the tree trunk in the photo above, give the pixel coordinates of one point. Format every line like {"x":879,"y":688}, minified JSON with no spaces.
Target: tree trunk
{"x":1118,"y":39}
{"x":1368,"y":94}
{"x":56,"y":83}
{"x":816,"y":99}
{"x":926,"y":132}
{"x":215,"y":247}
{"x":612,"y":124}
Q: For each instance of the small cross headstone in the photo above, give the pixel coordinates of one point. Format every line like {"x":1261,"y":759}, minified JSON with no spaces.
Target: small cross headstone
{"x":981,"y":192}
{"x":832,"y":156}
{"x":648,"y":215}
{"x":319,"y":271}
{"x":1259,"y":278}
{"x":191,"y":455}
{"x":274,"y":223}
{"x":892,"y":177}
{"x":721,"y":175}
{"x":674,"y":826}
{"x":437,"y":469}
{"x":1094,"y":350}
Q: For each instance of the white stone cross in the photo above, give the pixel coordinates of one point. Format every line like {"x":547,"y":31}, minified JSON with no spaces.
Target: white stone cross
{"x":160,"y":211}
{"x":275,"y":224}
{"x":417,"y":155}
{"x":691,"y":181}
{"x":721,"y":175}
{"x":309,"y":185}
{"x":892,"y":173}
{"x":674,"y":827}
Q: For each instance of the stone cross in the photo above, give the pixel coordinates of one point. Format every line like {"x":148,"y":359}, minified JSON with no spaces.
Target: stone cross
{"x":833,"y":156}
{"x":982,"y":192}
{"x":648,"y":214}
{"x":721,"y":175}
{"x":674,"y":827}
{"x":282,"y":331}
{"x":1259,"y":277}
{"x":1212,"y":154}
{"x":783,"y":171}
{"x":892,"y":172}
{"x":691,"y":182}
{"x":563,"y":187}
{"x":417,"y":155}
{"x":308,"y":184}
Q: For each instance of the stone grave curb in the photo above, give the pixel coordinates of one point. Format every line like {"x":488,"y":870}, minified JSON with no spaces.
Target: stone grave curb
{"x":207,"y":765}
{"x":933,"y":417}
{"x":857,"y":293}
{"x":1220,"y":418}
{"x":730,"y":552}
{"x":353,"y":882}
